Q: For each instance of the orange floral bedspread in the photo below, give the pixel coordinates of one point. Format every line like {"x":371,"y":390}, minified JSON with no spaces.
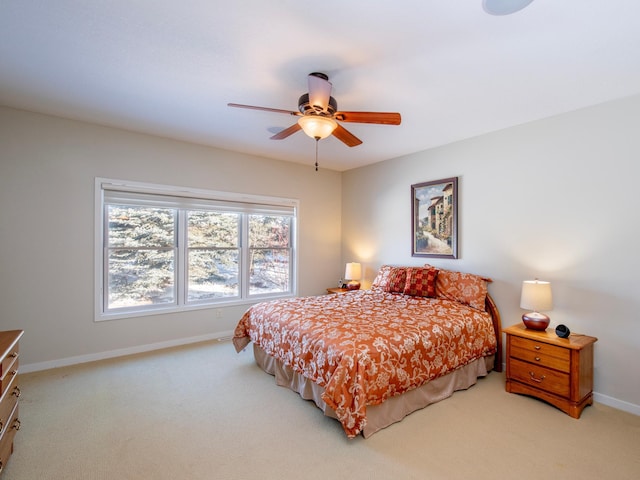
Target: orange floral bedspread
{"x":363,"y":347}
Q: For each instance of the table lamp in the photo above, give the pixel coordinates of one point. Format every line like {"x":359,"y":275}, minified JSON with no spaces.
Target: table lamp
{"x":536,"y":296}
{"x":353,"y":273}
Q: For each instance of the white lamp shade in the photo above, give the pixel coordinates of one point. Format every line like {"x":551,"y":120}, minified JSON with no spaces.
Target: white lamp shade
{"x":536,"y":296}
{"x":316,"y":126}
{"x":353,"y":271}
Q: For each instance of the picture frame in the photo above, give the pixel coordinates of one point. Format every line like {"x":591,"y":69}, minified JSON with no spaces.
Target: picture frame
{"x":434,"y":218}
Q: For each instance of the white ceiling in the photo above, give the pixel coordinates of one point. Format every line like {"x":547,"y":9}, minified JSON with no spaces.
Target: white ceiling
{"x":169,"y":67}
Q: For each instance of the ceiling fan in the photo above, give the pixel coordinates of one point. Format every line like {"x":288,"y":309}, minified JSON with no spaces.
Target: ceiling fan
{"x":319,"y":114}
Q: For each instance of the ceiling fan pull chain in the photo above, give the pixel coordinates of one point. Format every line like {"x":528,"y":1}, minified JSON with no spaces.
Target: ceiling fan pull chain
{"x":317,"y":138}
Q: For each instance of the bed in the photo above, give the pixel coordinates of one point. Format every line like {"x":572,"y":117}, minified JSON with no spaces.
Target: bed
{"x":370,"y":357}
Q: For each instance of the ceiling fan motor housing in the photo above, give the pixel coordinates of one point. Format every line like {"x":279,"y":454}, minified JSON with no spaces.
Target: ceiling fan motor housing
{"x":306,"y":108}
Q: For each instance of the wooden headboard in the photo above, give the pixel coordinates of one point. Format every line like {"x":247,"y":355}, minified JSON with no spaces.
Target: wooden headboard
{"x":490,"y":306}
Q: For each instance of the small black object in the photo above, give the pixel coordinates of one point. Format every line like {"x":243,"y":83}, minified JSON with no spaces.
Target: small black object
{"x":563,"y":331}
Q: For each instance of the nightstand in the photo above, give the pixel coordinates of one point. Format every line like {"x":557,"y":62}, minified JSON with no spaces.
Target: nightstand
{"x":337,"y":290}
{"x":556,"y":370}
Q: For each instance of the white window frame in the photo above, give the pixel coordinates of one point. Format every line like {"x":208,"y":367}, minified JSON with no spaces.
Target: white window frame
{"x":244,"y":203}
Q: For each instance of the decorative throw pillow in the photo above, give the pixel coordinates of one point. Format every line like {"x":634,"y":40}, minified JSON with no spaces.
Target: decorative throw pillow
{"x":465,"y":288}
{"x":421,"y":282}
{"x":381,"y":282}
{"x":397,"y":279}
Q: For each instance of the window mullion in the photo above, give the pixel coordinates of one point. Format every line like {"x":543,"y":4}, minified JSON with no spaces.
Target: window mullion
{"x":105,"y":258}
{"x":245,"y":264}
{"x":182,"y":257}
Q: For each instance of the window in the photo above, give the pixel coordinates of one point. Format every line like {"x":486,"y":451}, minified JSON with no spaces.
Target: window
{"x":162,"y":248}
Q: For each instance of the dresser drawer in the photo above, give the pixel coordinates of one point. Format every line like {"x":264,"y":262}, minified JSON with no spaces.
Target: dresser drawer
{"x":6,"y":440}
{"x":8,"y":360}
{"x":8,"y":377}
{"x":7,"y":406}
{"x":541,"y":353}
{"x":543,"y":378}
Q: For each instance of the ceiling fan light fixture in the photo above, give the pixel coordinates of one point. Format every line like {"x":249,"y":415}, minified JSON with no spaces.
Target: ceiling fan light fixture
{"x":316,"y":126}
{"x":504,"y":7}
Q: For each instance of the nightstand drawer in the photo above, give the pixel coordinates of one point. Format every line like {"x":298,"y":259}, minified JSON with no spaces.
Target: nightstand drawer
{"x":542,"y":359}
{"x":540,"y":352}
{"x":540,"y":377}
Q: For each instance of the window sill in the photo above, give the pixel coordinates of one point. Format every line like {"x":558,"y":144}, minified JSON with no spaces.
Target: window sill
{"x":103,"y":317}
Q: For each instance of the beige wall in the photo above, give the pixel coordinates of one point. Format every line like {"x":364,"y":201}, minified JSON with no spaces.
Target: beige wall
{"x":47,"y":171}
{"x":555,"y":199}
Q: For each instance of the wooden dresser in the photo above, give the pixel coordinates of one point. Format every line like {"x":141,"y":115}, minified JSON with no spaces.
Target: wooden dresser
{"x":556,"y":370}
{"x":9,"y":393}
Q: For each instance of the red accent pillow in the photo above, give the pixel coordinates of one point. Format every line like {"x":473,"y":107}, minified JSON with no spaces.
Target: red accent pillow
{"x":421,"y":282}
{"x":397,"y":279}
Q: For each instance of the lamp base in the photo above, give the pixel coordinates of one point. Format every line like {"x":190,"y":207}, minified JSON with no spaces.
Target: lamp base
{"x":353,"y":285}
{"x":535,"y":321}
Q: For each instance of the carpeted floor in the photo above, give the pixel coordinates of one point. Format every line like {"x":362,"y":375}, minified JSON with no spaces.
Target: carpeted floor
{"x":204,"y":412}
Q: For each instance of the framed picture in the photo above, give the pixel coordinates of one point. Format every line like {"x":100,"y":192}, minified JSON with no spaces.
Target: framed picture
{"x":434,"y":214}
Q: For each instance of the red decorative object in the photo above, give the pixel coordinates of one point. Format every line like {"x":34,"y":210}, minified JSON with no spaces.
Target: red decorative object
{"x":535,"y":321}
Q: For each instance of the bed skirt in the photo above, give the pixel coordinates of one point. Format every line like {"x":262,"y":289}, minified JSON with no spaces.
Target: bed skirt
{"x":391,"y":410}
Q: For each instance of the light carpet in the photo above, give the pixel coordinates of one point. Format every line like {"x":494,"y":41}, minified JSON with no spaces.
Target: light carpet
{"x":205,"y":412}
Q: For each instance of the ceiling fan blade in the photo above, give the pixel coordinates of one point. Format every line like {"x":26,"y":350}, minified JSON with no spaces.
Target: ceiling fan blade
{"x":385,"y":118}
{"x":346,"y":136}
{"x":264,"y":109}
{"x":286,"y":132}
{"x":319,"y":91}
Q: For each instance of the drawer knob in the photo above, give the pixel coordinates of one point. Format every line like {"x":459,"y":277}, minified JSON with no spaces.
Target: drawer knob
{"x":537,"y":359}
{"x":16,"y":392}
{"x":537,"y":380}
{"x":1,"y":426}
{"x":16,"y":424}
{"x":13,"y":354}
{"x":537,"y":347}
{"x":14,"y":372}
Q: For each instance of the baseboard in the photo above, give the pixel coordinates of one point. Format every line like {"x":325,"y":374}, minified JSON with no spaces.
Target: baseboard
{"x":64,"y":362}
{"x":617,"y":404}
